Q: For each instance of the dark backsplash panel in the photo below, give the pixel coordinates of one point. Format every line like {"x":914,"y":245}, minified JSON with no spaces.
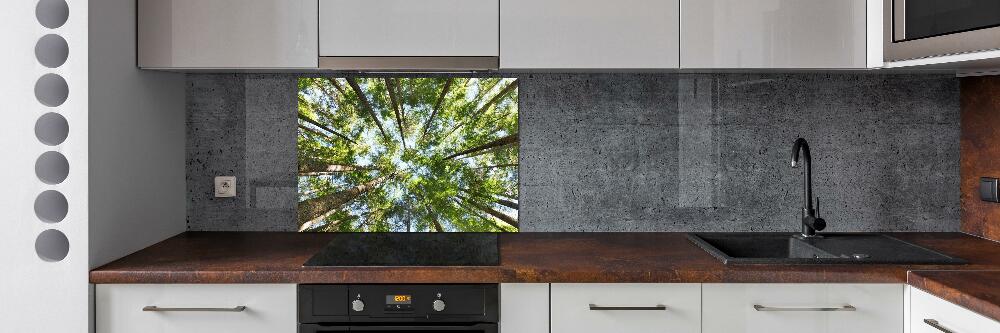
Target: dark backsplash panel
{"x":640,"y":152}
{"x":980,"y":125}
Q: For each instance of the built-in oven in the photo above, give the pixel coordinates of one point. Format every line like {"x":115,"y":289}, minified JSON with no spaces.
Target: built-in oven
{"x":928,"y":28}
{"x":389,"y":308}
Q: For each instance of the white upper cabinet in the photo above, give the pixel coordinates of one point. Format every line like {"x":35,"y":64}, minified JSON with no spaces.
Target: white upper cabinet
{"x":589,"y":34}
{"x":409,"y":28}
{"x":777,"y":34}
{"x":192,"y":34}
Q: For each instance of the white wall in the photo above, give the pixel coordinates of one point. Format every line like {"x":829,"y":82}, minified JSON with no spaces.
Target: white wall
{"x":137,"y":191}
{"x":126,"y":135}
{"x":38,"y":295}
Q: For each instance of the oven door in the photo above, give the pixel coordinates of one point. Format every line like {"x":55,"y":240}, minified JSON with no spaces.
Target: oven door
{"x":474,"y":328}
{"x":916,"y":29}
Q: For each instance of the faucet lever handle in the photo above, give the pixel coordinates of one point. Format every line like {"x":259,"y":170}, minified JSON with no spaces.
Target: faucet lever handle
{"x":817,"y":206}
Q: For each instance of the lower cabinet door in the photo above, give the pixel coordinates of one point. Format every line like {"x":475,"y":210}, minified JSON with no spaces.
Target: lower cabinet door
{"x":625,"y":308}
{"x":189,"y":308}
{"x":524,"y":308}
{"x":930,"y":314}
{"x":802,"y":308}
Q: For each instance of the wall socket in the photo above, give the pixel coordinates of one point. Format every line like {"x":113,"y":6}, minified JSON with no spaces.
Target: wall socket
{"x":988,"y":189}
{"x":225,"y":187}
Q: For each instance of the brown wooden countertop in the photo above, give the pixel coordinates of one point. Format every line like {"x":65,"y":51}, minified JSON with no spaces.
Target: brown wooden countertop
{"x":267,"y":257}
{"x":978,"y":291}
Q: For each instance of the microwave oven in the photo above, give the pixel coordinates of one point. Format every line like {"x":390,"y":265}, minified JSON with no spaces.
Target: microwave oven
{"x":915,"y":29}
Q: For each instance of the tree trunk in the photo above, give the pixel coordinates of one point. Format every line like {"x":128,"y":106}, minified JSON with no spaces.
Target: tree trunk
{"x":324,"y":135}
{"x":437,"y":105}
{"x":434,"y":221}
{"x":506,"y":196}
{"x":503,"y":217}
{"x":325,"y":128}
{"x":490,"y":150}
{"x":461,"y":204}
{"x":336,"y":85}
{"x":485,"y":90}
{"x":497,"y":166}
{"x":367,"y":106}
{"x":326,"y":91}
{"x":312,"y":167}
{"x":500,"y":198}
{"x":501,"y":142}
{"x":493,"y":212}
{"x":507,"y":203}
{"x":500,"y":95}
{"x":506,"y":90}
{"x":313,"y":208}
{"x":390,"y":87}
{"x":312,"y":223}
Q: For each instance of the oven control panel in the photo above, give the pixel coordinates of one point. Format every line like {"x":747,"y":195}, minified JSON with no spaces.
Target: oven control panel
{"x":363,"y":303}
{"x":398,"y":303}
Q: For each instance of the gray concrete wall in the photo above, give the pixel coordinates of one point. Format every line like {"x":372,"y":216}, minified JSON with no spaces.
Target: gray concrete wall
{"x":244,"y":126}
{"x":641,"y":152}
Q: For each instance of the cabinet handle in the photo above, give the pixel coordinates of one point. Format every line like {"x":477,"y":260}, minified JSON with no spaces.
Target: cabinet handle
{"x":657,"y":307}
{"x":154,"y":308}
{"x":759,"y":307}
{"x":935,"y":324}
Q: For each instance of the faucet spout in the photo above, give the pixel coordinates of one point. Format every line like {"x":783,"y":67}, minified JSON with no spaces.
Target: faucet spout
{"x":810,"y":222}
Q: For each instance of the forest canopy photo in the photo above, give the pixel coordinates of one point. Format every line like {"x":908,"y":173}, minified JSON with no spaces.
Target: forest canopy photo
{"x":407,"y":154}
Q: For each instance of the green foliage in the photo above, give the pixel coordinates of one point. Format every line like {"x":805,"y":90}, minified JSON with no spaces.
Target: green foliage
{"x":408,"y":154}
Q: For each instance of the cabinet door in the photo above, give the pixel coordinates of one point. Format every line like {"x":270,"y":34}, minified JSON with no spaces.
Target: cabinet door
{"x":524,"y":308}
{"x":227,"y":34}
{"x":773,"y":34}
{"x":196,"y":308}
{"x":930,"y":314}
{"x":571,"y":34}
{"x":802,"y":308}
{"x":409,"y":28}
{"x":626,"y":308}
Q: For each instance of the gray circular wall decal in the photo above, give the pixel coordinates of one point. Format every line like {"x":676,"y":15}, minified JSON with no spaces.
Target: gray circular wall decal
{"x":52,"y":13}
{"x":51,"y":206}
{"x":51,"y":51}
{"x":52,"y":167}
{"x":51,"y":129}
{"x":51,"y":90}
{"x":52,"y":245}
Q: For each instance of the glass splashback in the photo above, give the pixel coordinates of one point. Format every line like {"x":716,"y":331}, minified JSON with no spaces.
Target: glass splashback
{"x":428,"y":154}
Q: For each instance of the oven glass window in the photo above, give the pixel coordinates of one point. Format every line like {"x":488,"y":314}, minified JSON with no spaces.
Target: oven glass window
{"x":929,"y":18}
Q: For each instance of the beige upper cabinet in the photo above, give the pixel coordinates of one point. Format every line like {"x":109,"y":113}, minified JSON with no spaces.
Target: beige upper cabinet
{"x":409,"y":28}
{"x":589,"y":34}
{"x":193,"y":34}
{"x":776,"y":34}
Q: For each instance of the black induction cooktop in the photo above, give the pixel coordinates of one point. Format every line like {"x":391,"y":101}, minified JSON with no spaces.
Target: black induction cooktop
{"x":409,"y":249}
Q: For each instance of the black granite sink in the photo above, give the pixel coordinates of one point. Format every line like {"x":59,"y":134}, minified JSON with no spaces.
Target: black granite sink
{"x":834,"y":248}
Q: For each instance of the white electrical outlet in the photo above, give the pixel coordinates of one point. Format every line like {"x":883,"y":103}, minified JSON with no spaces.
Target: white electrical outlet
{"x":225,"y":187}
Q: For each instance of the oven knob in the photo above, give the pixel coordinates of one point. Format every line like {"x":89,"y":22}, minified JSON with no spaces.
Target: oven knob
{"x":358,"y":305}
{"x":438,"y":305}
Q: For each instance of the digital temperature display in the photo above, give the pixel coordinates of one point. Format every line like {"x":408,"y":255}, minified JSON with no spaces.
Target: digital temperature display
{"x":398,"y":299}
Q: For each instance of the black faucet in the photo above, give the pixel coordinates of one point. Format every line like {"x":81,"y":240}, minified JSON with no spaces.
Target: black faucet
{"x":810,"y":221}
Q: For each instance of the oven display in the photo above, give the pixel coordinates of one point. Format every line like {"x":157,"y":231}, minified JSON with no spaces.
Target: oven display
{"x":398,"y":299}
{"x":398,"y":303}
